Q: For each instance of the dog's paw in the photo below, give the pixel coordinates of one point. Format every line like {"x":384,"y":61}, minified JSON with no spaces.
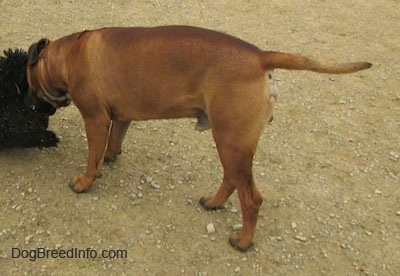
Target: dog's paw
{"x":207,"y":204}
{"x":80,"y":183}
{"x":111,"y":157}
{"x":237,"y":243}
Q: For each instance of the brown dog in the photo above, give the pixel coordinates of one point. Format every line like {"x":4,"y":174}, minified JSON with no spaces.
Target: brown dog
{"x":116,"y":75}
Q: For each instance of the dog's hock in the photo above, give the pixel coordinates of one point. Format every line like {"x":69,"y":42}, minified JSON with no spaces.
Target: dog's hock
{"x":202,"y":122}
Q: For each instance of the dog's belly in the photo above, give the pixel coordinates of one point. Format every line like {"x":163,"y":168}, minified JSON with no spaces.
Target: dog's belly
{"x":145,"y":105}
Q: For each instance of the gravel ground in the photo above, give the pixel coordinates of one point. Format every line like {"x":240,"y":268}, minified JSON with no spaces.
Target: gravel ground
{"x":328,"y":166}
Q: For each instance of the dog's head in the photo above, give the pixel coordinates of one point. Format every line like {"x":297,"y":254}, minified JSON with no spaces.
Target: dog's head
{"x":14,"y":85}
{"x":38,"y":76}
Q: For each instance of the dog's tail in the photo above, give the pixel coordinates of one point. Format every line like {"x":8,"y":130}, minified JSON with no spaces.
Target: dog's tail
{"x":271,"y":60}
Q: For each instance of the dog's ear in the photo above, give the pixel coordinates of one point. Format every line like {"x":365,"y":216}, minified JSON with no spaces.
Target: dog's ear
{"x":35,"y":50}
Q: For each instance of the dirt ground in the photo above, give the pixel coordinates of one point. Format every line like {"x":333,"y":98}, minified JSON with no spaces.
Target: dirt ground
{"x":328,"y":166}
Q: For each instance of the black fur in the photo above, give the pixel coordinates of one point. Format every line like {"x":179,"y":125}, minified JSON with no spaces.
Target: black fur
{"x":23,"y":117}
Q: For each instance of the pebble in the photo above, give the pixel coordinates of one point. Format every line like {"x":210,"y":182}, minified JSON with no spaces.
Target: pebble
{"x":154,"y":185}
{"x":237,"y":227}
{"x":276,"y":238}
{"x":28,"y":239}
{"x":237,"y":269}
{"x":294,"y":225}
{"x":210,"y":228}
{"x":300,"y":238}
{"x":394,"y":156}
{"x":398,"y":213}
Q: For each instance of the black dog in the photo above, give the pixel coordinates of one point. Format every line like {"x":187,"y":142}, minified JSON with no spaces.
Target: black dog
{"x":23,"y":118}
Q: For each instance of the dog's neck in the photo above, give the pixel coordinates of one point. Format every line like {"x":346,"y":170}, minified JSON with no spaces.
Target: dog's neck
{"x":59,"y":51}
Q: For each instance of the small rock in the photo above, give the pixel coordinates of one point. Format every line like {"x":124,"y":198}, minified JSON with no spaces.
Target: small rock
{"x":300,"y":238}
{"x":149,"y":179}
{"x":154,"y":185}
{"x":276,"y":238}
{"x":378,"y":192}
{"x":237,"y":269}
{"x":398,"y":213}
{"x":28,"y":239}
{"x":294,"y":225}
{"x":237,"y":227}
{"x":210,"y":228}
{"x":394,"y":156}
{"x":233,"y":210}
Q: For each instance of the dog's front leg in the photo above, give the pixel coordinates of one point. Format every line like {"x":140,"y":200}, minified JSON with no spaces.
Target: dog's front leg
{"x":97,"y":130}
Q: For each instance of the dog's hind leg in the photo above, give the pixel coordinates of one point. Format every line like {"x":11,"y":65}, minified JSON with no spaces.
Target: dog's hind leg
{"x":237,"y":163}
{"x":117,"y":135}
{"x":237,"y":125}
